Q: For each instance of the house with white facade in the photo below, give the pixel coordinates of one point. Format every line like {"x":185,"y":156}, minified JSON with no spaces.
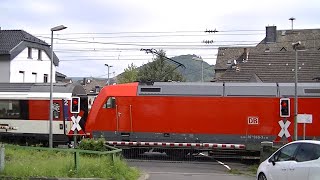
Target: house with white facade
{"x":24,"y":58}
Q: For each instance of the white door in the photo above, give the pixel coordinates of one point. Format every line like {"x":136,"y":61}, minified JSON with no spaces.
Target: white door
{"x":278,"y":171}
{"x":282,"y":160}
{"x":298,"y":170}
{"x":305,"y":159}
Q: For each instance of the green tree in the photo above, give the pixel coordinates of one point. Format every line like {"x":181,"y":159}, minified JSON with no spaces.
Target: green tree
{"x":159,"y":70}
{"x":130,"y":74}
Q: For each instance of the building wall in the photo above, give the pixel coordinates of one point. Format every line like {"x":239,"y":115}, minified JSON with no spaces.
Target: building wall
{"x":4,"y":69}
{"x":33,"y":69}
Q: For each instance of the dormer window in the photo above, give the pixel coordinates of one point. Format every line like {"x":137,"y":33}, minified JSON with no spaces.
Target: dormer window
{"x":39,"y":54}
{"x":29,"y":52}
{"x":283,"y":49}
{"x":267,"y":49}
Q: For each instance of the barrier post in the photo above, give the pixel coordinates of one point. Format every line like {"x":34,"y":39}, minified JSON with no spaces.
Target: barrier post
{"x":2,"y":158}
{"x":265,"y":150}
{"x":76,"y":153}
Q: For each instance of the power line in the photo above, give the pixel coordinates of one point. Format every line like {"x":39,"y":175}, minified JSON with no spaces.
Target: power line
{"x":131,"y":49}
{"x":127,"y":55}
{"x":169,"y":35}
{"x":128,"y":59}
{"x":152,"y":32}
{"x":168,"y":42}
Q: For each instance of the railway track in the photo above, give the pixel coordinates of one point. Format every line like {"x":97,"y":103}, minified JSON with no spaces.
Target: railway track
{"x":194,"y":158}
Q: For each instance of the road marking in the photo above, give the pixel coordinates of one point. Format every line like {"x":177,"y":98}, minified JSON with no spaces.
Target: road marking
{"x":182,"y":173}
{"x":224,"y":165}
{"x":217,"y":161}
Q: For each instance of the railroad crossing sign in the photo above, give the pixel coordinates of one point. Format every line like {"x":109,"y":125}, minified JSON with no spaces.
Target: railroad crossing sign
{"x":284,"y":129}
{"x":76,"y":125}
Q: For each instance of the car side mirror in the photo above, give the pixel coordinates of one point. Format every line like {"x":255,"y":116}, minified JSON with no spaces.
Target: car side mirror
{"x":272,"y":160}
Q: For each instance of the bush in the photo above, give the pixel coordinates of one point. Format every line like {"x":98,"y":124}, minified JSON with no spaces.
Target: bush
{"x":24,"y":163}
{"x":93,"y":144}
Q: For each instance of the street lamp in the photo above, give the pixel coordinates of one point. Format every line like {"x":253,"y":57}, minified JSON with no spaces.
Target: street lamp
{"x":57,"y":28}
{"x":295,"y":47}
{"x":108,"y":72}
{"x":199,"y":59}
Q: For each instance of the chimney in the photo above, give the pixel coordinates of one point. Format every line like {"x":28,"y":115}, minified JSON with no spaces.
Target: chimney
{"x":84,"y":81}
{"x":245,"y":55}
{"x":271,"y":34}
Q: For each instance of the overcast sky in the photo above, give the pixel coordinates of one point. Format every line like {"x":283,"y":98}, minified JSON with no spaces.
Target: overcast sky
{"x":113,"y":32}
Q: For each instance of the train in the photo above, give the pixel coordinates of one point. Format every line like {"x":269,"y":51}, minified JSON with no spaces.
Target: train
{"x":24,"y":112}
{"x":171,"y":116}
{"x":166,"y":116}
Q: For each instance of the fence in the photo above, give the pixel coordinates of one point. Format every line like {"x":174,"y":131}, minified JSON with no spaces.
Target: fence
{"x":113,"y":152}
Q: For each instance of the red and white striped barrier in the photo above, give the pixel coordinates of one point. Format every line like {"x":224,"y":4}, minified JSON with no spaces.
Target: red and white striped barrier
{"x":166,"y":144}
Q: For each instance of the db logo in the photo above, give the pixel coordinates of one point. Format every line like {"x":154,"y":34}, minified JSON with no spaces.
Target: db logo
{"x":253,"y":120}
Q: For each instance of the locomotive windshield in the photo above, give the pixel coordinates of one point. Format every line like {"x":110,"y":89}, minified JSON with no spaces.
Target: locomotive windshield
{"x":111,"y":103}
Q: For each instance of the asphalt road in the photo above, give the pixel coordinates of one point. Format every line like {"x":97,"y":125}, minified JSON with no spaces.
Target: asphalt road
{"x":159,"y":170}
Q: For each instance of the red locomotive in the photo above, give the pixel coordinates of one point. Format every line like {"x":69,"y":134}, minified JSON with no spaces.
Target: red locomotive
{"x":163,"y":116}
{"x":202,"y":116}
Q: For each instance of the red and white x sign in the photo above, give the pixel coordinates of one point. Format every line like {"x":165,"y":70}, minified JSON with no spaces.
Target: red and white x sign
{"x":284,"y":128}
{"x":76,"y":124}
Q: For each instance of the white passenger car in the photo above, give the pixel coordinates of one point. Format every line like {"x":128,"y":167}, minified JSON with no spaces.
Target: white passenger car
{"x":298,"y":160}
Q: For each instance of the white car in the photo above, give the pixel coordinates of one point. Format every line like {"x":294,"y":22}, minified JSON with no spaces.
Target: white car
{"x":298,"y":160}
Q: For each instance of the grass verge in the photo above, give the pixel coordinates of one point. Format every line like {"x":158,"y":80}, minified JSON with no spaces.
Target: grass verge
{"x":36,"y":163}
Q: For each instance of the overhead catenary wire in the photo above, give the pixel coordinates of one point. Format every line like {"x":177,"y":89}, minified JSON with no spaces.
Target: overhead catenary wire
{"x":132,"y":44}
{"x":157,"y":32}
{"x":128,"y":55}
{"x":128,"y":59}
{"x":165,"y":35}
{"x":165,"y":42}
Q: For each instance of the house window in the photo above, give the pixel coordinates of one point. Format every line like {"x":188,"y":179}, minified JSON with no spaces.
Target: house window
{"x":45,"y":78}
{"x":21,"y":74}
{"x":34,"y":76}
{"x":97,"y":89}
{"x":29,"y":52}
{"x":39,"y":54}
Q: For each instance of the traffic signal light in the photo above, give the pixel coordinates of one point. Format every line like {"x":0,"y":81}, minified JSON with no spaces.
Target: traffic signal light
{"x":284,"y":107}
{"x":75,"y":105}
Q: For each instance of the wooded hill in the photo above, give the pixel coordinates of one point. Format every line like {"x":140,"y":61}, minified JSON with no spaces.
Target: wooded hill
{"x":192,"y":72}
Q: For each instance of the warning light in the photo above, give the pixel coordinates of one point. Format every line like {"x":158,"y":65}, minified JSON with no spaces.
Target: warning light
{"x":284,"y":107}
{"x":75,"y":105}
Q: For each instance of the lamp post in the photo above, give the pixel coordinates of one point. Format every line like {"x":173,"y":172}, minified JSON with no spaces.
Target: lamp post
{"x":57,"y":28}
{"x":295,"y":47}
{"x":200,"y":59}
{"x":108,"y":72}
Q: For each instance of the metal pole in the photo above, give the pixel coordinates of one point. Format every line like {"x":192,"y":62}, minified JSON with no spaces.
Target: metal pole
{"x":202,"y":70}
{"x":51,"y":100}
{"x":108,"y":75}
{"x":304,"y":131}
{"x":296,"y":98}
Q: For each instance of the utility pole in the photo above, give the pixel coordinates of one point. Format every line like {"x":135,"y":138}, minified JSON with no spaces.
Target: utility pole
{"x":108,"y":72}
{"x":292,"y":19}
{"x":295,"y":45}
